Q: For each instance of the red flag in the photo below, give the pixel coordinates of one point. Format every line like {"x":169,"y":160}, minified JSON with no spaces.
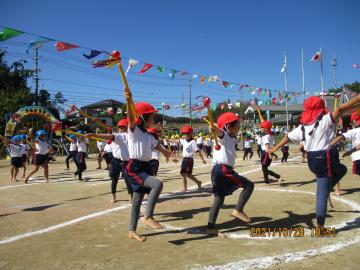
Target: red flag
{"x":63,"y":46}
{"x":225,"y":84}
{"x":145,"y":68}
{"x":166,"y":107}
{"x":104,"y":63}
{"x":316,"y":57}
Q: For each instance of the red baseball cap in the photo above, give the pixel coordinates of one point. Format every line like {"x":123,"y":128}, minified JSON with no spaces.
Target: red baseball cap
{"x":313,"y":107}
{"x":123,"y":122}
{"x":144,"y":108}
{"x":355,"y":117}
{"x":226,"y":118}
{"x":186,"y":129}
{"x":152,"y":130}
{"x":109,"y":141}
{"x":266,"y":125}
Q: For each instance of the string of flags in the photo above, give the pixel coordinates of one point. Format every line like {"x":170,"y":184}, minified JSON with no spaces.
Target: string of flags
{"x":62,"y":46}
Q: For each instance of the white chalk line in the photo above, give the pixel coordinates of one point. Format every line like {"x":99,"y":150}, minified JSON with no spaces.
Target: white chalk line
{"x":64,"y":224}
{"x":269,"y":261}
{"x":340,"y":226}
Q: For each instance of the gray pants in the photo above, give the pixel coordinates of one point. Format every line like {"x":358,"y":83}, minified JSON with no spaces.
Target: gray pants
{"x":219,"y":201}
{"x":156,"y":187}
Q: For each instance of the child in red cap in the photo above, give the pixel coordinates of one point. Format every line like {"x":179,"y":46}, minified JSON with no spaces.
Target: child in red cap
{"x":316,"y":131}
{"x":223,"y":177}
{"x":139,"y":173}
{"x":353,"y":136}
{"x":120,"y":156}
{"x":267,"y":141}
{"x":189,"y":149}
{"x":154,"y":161}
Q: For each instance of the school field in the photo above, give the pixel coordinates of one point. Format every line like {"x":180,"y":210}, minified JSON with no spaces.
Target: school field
{"x":70,"y":225}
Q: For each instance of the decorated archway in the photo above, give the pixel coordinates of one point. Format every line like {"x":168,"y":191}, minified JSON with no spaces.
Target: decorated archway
{"x":32,"y":111}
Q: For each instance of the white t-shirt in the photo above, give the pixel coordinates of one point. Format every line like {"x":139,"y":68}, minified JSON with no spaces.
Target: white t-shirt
{"x":320,"y":138}
{"x":200,"y":140}
{"x":100,"y":145}
{"x":72,"y":147}
{"x":81,"y":146}
{"x":353,"y":136}
{"x":24,"y":148}
{"x":120,"y":146}
{"x":140,"y":144}
{"x":208,"y":142}
{"x":108,"y":148}
{"x":258,"y":139}
{"x":189,"y":148}
{"x":42,"y":148}
{"x":227,"y":153}
{"x":15,"y":150}
{"x":267,"y":139}
{"x":155,"y":154}
{"x":247,"y":144}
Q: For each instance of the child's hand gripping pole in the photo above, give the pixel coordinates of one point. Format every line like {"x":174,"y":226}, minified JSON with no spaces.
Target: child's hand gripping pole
{"x":82,"y":135}
{"x":206,"y":101}
{"x":116,"y":55}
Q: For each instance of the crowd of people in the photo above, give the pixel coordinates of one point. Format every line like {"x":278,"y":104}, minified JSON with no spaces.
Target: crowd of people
{"x":132,"y":152}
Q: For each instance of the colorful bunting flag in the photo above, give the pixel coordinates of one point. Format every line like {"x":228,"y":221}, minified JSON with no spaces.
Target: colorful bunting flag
{"x":37,"y":43}
{"x":194,"y":76}
{"x":238,"y":104}
{"x":160,"y":68}
{"x":145,"y":68}
{"x":356,"y":66}
{"x":132,"y":62}
{"x":213,"y":78}
{"x":92,"y":54}
{"x":202,"y":80}
{"x":166,"y":107}
{"x":184,"y":73}
{"x":8,"y":33}
{"x":225,"y":84}
{"x":172,"y":74}
{"x":63,"y":46}
{"x":104,"y":63}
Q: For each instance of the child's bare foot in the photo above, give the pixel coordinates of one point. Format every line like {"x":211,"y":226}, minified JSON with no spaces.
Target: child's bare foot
{"x":134,"y":235}
{"x":152,"y":223}
{"x":279,"y":181}
{"x":241,"y":215}
{"x":339,"y":192}
{"x":199,"y":184}
{"x":215,"y":232}
{"x":26,"y":180}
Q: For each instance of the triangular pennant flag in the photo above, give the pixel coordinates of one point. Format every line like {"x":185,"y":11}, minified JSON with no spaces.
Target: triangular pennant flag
{"x":225,"y":84}
{"x":194,"y":76}
{"x":104,"y":63}
{"x":213,"y":78}
{"x":172,"y":74}
{"x":160,"y":68}
{"x":132,"y":62}
{"x":238,"y":104}
{"x":9,"y":33}
{"x":222,"y":106}
{"x":184,"y":73}
{"x":63,"y":46}
{"x":37,"y":43}
{"x":356,"y":66}
{"x":145,"y":68}
{"x":202,"y":80}
{"x":92,"y":54}
{"x":112,"y":63}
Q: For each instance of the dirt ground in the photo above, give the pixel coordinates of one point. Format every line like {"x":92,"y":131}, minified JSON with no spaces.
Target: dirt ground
{"x":70,"y":225}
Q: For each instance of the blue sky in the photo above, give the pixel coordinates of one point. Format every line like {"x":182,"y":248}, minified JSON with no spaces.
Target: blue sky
{"x":240,"y":41}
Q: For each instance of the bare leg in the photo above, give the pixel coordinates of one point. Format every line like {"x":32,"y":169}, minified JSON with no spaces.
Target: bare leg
{"x":15,"y":173}
{"x":12,"y":173}
{"x":36,"y":168}
{"x":46,"y":172}
{"x":338,"y":191}
{"x":24,"y":170}
{"x":184,"y":183}
{"x":192,"y":177}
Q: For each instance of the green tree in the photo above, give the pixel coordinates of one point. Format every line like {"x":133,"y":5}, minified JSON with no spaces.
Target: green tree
{"x":14,"y":91}
{"x":58,"y":101}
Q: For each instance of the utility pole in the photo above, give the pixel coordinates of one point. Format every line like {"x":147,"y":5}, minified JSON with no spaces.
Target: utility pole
{"x":334,"y":64}
{"x":190,"y":103}
{"x":37,"y":76}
